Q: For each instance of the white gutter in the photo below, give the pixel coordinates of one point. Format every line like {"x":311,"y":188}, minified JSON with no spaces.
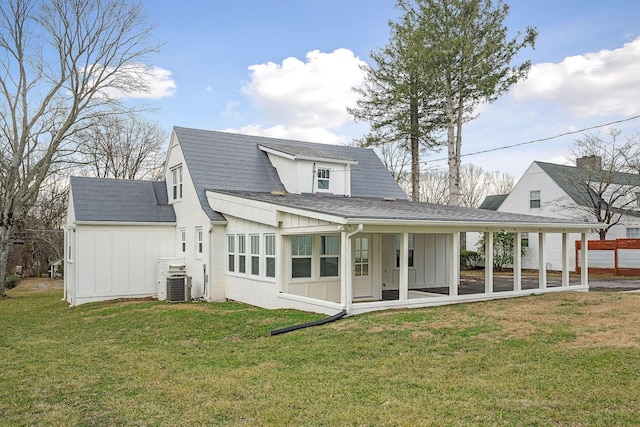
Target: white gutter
{"x":475,"y":225}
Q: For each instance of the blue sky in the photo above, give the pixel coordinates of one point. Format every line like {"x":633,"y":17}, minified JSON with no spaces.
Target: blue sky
{"x":284,"y":68}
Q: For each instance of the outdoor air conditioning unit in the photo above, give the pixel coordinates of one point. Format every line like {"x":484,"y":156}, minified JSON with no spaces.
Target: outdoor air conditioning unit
{"x":178,"y":288}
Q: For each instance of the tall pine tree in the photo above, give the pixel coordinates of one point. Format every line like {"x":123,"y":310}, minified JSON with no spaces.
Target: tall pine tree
{"x":444,"y":58}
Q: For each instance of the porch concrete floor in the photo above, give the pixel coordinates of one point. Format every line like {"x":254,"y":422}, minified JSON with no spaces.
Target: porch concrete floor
{"x":473,"y":283}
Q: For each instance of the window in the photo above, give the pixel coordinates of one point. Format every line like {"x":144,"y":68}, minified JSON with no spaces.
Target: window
{"x":255,"y":255}
{"x":329,"y":252}
{"x":70,"y":245}
{"x":176,"y":183}
{"x":183,"y":240}
{"x":242,"y":258}
{"x":534,"y":199}
{"x":323,"y":179}
{"x":637,"y":199}
{"x":410,"y":249}
{"x":301,"y":256}
{"x":633,"y":233}
{"x":270,"y":254}
{"x":199,"y":241}
{"x":231,"y":251}
{"x":524,"y":240}
{"x":361,"y":256}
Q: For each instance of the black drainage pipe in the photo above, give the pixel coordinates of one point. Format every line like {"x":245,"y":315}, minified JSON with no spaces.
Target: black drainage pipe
{"x":306,"y":325}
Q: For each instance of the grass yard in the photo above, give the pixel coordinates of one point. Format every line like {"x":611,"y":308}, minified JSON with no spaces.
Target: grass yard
{"x":554,"y":359}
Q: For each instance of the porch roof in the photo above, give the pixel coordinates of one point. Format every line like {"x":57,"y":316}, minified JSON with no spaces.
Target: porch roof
{"x":376,"y":211}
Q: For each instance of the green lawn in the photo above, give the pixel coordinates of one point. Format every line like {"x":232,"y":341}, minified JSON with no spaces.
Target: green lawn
{"x":555,"y":359}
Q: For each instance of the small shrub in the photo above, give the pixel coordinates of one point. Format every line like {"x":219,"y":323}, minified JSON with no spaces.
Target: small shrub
{"x":469,"y":260}
{"x":11,"y":281}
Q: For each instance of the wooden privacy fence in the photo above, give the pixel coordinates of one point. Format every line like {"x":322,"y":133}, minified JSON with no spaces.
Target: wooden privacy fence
{"x":620,"y":257}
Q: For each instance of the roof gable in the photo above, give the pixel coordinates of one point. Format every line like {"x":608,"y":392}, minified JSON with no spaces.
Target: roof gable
{"x":120,"y":200}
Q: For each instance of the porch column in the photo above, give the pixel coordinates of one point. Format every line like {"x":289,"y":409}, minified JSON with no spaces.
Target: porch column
{"x":542,"y":262}
{"x":454,"y":265}
{"x":345,"y":271}
{"x":403,"y":289}
{"x":584,"y":272}
{"x":565,"y":259}
{"x":488,"y":262}
{"x":517,"y":262}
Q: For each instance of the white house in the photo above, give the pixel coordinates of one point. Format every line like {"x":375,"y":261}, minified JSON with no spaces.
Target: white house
{"x":560,"y":191}
{"x":280,"y":224}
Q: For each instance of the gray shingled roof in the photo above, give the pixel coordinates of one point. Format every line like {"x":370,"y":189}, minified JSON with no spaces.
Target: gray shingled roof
{"x":233,"y":162}
{"x":568,"y":177}
{"x":363,"y":209}
{"x":120,"y":200}
{"x":493,"y":202}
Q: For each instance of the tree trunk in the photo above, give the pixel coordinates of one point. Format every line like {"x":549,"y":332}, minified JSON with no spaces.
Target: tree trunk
{"x":454,"y":170}
{"x":415,"y":152}
{"x":5,"y":244}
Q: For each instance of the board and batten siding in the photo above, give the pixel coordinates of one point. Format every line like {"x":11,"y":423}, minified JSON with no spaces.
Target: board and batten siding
{"x":117,"y":261}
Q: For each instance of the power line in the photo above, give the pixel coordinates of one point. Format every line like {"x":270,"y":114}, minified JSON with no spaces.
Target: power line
{"x":504,"y":147}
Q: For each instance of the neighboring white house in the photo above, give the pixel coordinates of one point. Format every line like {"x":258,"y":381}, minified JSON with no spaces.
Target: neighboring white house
{"x":553,"y":190}
{"x":279,"y":224}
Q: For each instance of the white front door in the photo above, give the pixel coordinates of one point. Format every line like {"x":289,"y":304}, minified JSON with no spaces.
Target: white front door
{"x":362,"y":284}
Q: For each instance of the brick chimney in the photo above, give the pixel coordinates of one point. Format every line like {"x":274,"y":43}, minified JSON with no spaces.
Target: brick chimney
{"x":590,"y":162}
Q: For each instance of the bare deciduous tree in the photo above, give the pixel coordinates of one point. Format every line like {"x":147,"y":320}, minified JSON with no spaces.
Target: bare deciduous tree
{"x":604,"y":185}
{"x":61,"y":61}
{"x":123,"y":147}
{"x":433,"y":186}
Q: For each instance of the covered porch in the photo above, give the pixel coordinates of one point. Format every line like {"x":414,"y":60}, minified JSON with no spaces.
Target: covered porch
{"x":383,"y":267}
{"x":358,"y":255}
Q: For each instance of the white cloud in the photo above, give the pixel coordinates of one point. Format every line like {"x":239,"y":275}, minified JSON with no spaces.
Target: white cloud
{"x":601,"y":83}
{"x":306,"y":96}
{"x":311,"y":134}
{"x":156,"y":81}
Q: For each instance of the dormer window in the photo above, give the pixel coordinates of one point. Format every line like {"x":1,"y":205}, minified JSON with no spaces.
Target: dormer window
{"x":323,"y":179}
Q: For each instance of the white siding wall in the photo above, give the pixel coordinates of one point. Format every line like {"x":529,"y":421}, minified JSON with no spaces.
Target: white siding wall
{"x":431,"y":261}
{"x":258,"y":290}
{"x":552,"y":202}
{"x":117,"y":261}
{"x":189,"y":217}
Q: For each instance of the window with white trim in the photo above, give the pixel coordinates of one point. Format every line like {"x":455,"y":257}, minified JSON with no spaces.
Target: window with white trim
{"x":323,"y":178}
{"x":70,"y":245}
{"x":183,"y":240}
{"x":176,"y":183}
{"x":329,"y":256}
{"x":270,"y":254}
{"x":534,"y":199}
{"x":231,"y":253}
{"x":255,"y":254}
{"x":301,"y":252}
{"x":633,"y":233}
{"x":524,"y":240}
{"x":199,"y":241}
{"x":410,"y":249}
{"x":242,"y":257}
